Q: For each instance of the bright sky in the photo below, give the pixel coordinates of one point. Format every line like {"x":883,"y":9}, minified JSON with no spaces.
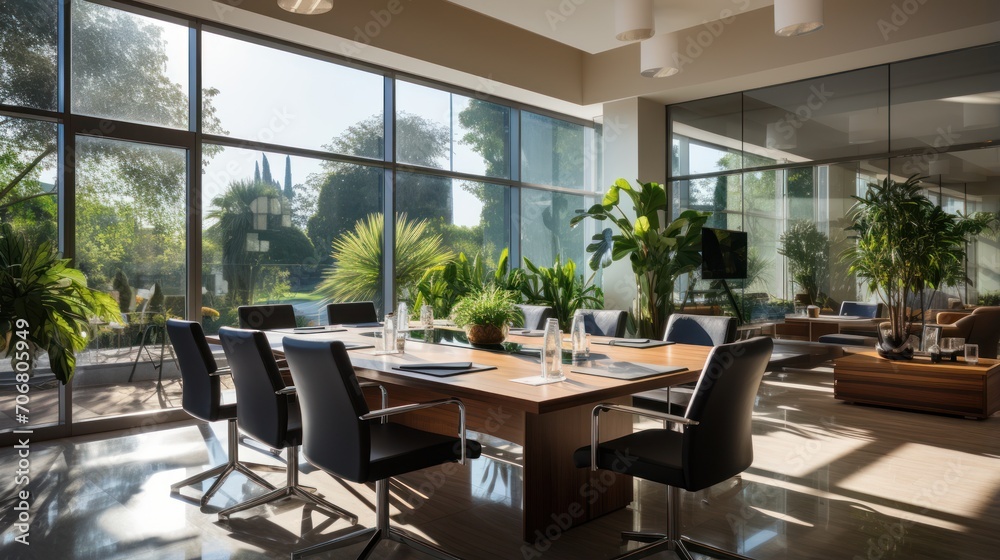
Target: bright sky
{"x":277,"y":97}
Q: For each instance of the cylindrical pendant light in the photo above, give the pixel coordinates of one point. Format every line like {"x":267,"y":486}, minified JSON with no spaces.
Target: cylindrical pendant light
{"x":657,"y":56}
{"x":633,"y":20}
{"x":306,"y":7}
{"x":797,"y":17}
{"x":784,"y":138}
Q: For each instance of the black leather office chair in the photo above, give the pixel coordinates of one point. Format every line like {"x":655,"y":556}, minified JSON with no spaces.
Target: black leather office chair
{"x":268,"y":412}
{"x":346,"y":439}
{"x":714,"y":445}
{"x":202,"y":398}
{"x":351,"y":313}
{"x":535,"y":316}
{"x":604,"y":322}
{"x":266,"y":317}
{"x":702,"y":330}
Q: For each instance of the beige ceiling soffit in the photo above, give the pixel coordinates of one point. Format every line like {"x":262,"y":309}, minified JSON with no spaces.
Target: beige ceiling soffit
{"x":562,"y":94}
{"x":745,"y":53}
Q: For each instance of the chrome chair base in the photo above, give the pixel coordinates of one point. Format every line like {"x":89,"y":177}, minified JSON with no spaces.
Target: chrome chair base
{"x":291,"y":489}
{"x":224,"y":470}
{"x":381,"y":532}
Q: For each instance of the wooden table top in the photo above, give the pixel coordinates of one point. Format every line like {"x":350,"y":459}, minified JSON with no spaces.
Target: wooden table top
{"x":870,"y":359}
{"x":495,"y":386}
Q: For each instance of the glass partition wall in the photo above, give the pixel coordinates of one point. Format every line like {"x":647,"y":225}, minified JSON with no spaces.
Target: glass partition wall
{"x":783,"y":163}
{"x":189,"y":168}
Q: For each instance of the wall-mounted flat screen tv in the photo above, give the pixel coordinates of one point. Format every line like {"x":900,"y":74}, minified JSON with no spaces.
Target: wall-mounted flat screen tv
{"x":723,"y":254}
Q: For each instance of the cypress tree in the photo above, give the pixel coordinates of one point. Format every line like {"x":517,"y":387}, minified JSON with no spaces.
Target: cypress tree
{"x":256,"y":172}
{"x":266,"y":171}
{"x":289,"y":192}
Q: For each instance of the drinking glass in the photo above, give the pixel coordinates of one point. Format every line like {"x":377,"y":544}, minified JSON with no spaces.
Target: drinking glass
{"x":972,"y":353}
{"x":552,"y":352}
{"x":389,"y":334}
{"x":579,"y":339}
{"x":426,"y":317}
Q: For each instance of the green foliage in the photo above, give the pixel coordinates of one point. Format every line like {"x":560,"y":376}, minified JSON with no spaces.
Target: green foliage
{"x":659,"y":255}
{"x":41,"y":289}
{"x":491,"y":305}
{"x":905,"y":243}
{"x":120,"y":284}
{"x":562,"y":289}
{"x":348,"y":192}
{"x":989,"y":298}
{"x":444,"y":285}
{"x":808,"y":252}
{"x":357,"y":274}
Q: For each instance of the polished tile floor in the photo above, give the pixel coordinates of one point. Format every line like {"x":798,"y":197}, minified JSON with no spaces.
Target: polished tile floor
{"x":830,"y":481}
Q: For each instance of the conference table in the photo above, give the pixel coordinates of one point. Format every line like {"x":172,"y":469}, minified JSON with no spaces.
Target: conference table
{"x":548,"y":421}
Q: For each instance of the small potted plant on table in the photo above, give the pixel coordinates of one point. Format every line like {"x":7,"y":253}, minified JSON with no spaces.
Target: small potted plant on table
{"x":486,"y":315}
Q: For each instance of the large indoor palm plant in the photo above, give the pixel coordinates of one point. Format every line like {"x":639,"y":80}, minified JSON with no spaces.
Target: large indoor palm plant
{"x":905,"y":243}
{"x":40,"y":294}
{"x":659,"y":254}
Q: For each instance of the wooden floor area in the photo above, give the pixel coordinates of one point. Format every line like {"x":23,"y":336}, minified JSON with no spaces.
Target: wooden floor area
{"x":830,"y":481}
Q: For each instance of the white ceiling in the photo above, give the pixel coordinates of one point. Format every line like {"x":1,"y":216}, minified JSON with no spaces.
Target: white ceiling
{"x":589,"y":25}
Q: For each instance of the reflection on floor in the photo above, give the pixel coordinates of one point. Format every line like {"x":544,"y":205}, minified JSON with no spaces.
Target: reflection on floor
{"x":830,"y":480}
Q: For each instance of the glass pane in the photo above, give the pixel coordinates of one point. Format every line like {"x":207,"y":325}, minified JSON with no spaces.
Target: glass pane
{"x":944,"y":100}
{"x":28,"y":53}
{"x":319,"y":105}
{"x":265,"y":240}
{"x":481,"y":137}
{"x":556,"y":153}
{"x":130,"y":241}
{"x":129,"y":67}
{"x":545,"y":231}
{"x":423,"y":126}
{"x":835,"y":116}
{"x":706,"y":135}
{"x":30,"y":205}
{"x":438,"y":129}
{"x":443,"y":217}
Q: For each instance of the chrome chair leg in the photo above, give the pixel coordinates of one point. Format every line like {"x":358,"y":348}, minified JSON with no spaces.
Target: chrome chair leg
{"x":382,"y":531}
{"x":289,"y":490}
{"x":222,"y":471}
{"x":673,"y":539}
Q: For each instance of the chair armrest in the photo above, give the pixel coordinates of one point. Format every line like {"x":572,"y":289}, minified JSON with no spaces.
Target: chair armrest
{"x":289,"y":390}
{"x":595,"y":429}
{"x":386,"y":412}
{"x":385,"y":395}
{"x":949,"y":317}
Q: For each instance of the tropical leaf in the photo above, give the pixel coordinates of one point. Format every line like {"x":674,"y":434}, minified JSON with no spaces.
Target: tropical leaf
{"x":43,"y":291}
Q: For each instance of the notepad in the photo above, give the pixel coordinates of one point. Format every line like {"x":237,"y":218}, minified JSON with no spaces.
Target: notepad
{"x":443,"y":370}
{"x":628,"y":370}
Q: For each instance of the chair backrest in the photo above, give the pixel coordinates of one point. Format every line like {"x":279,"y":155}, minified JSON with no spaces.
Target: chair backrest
{"x":201,"y":395}
{"x":703,"y":330}
{"x":985,"y":330}
{"x":351,"y":312}
{"x":261,"y":413}
{"x":536,"y":315}
{"x":604,"y":322}
{"x":266,"y":317}
{"x":861,"y":309}
{"x":333,"y":438}
{"x":721,"y":446}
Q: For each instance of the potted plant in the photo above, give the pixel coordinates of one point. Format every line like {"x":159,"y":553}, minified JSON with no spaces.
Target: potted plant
{"x":905,"y":243}
{"x":486,"y":315}
{"x":659,"y":255}
{"x":808,"y":252}
{"x":41,"y":294}
{"x":562,"y":289}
